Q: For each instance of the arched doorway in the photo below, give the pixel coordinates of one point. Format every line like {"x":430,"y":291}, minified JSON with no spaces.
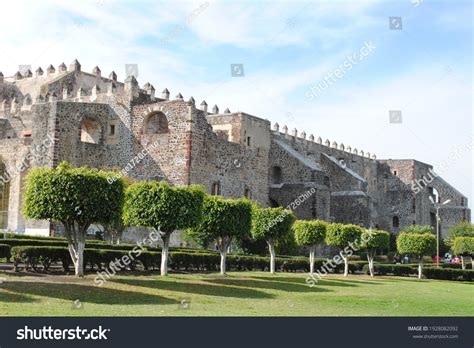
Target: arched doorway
{"x":156,"y":123}
{"x":276,"y":175}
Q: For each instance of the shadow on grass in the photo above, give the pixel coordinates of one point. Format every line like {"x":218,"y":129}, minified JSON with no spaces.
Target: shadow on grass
{"x":268,"y":283}
{"x":322,"y":282}
{"x":84,"y":293}
{"x":196,"y":288}
{"x":8,"y":297}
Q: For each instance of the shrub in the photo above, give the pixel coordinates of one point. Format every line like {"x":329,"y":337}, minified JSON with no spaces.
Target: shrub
{"x":310,"y":233}
{"x":342,"y":236}
{"x":416,"y":244}
{"x":271,"y":224}
{"x":76,"y":197}
{"x":397,"y":270}
{"x":449,"y":274}
{"x":4,"y":251}
{"x":464,"y":246}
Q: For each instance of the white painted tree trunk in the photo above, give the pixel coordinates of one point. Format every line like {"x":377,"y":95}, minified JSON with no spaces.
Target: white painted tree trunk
{"x":76,"y":245}
{"x":346,"y":265}
{"x":472,"y":262}
{"x":164,"y":254}
{"x":370,"y":258}
{"x":271,"y":248}
{"x":223,"y":261}
{"x":463,"y":262}
{"x":311,"y":259}
{"x":420,"y":268}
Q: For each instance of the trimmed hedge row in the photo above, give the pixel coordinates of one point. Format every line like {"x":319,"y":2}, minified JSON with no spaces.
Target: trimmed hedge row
{"x":397,"y":270}
{"x":94,"y":245}
{"x":449,"y":274}
{"x":35,"y":256}
{"x":4,"y":251}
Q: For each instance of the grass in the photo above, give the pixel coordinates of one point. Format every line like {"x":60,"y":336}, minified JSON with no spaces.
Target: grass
{"x":238,"y":294}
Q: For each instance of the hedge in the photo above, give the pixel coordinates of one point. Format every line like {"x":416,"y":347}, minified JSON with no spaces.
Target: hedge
{"x":33,"y":256}
{"x":4,"y":251}
{"x":397,"y":270}
{"x":448,"y":274}
{"x":94,"y":244}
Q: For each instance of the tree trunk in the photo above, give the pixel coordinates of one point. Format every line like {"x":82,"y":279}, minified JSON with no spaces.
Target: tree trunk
{"x":472,"y":262}
{"x":463,"y":262}
{"x":370,"y":258}
{"x":420,"y":267}
{"x":271,"y":247}
{"x":311,"y":259}
{"x":346,"y":265}
{"x":164,"y":254}
{"x":223,"y":260}
{"x":76,"y":245}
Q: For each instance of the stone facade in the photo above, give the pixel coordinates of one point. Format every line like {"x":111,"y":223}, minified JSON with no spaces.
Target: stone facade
{"x":87,"y":119}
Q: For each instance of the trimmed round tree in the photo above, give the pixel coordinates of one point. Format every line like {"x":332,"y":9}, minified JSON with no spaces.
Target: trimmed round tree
{"x":373,"y":240}
{"x":76,"y":197}
{"x":223,"y":220}
{"x":164,"y":208}
{"x":271,"y":224}
{"x":417,"y":244}
{"x":310,"y":233}
{"x":345,"y":238}
{"x":464,"y":246}
{"x":462,"y":229}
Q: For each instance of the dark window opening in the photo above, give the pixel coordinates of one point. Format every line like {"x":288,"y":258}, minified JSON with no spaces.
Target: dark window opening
{"x":248,"y":141}
{"x":395,"y":172}
{"x":216,"y":189}
{"x":248,"y":193}
{"x":395,"y":222}
{"x":276,"y":175}
{"x":112,"y":129}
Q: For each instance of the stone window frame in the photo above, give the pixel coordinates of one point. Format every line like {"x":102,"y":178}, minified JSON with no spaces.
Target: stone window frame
{"x":97,"y":138}
{"x":162,"y":120}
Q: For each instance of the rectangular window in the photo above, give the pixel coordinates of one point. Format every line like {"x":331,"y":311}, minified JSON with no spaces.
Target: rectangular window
{"x":112,"y":129}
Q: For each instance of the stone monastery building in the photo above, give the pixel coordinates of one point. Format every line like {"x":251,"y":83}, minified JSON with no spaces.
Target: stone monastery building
{"x":66,"y":114}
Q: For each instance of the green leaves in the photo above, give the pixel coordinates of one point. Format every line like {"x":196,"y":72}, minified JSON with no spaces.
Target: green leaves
{"x":463,"y":229}
{"x":222,"y":218}
{"x":64,"y":193}
{"x":158,"y":205}
{"x":340,"y":235}
{"x":464,"y":246}
{"x":309,"y":232}
{"x":271,"y":223}
{"x":416,"y":244}
{"x":419,"y":229}
{"x":375,"y":240}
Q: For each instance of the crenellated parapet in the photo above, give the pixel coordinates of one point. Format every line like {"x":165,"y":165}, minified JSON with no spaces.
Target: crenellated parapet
{"x":334,"y":145}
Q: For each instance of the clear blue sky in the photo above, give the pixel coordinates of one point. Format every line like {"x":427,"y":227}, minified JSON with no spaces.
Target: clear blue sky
{"x":424,"y":70}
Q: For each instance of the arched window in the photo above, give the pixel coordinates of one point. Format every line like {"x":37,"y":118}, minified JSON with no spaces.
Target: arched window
{"x":4,"y":196}
{"x":156,"y":123}
{"x":395,"y":222}
{"x":90,"y":131}
{"x":276,"y":175}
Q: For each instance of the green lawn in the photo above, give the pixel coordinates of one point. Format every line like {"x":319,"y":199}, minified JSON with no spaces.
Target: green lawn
{"x":239,"y":294}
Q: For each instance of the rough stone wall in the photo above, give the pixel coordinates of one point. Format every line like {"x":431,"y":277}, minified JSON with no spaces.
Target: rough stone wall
{"x":236,"y":168}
